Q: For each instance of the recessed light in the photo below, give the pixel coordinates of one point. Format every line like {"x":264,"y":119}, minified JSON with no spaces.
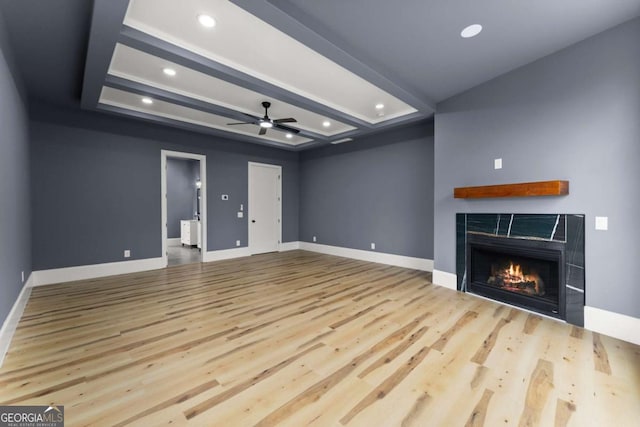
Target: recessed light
{"x":289,"y":136}
{"x":326,"y":123}
{"x":169,"y":71}
{"x":471,"y":31}
{"x":379,"y":106}
{"x":206,"y":21}
{"x":147,"y":101}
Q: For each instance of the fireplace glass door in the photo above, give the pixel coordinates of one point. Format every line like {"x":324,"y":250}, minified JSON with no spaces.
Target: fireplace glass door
{"x":520,"y":272}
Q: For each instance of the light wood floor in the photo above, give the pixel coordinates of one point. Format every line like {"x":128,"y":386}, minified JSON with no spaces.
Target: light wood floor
{"x":301,"y":339}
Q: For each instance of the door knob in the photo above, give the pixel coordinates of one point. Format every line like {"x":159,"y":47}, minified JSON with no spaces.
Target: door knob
{"x":253,"y":220}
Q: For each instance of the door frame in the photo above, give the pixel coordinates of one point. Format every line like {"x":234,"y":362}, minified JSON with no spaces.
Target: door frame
{"x":164,"y":154}
{"x":279,"y":190}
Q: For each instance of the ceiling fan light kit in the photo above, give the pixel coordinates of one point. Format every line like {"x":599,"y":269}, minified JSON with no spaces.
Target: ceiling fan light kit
{"x":266,"y":122}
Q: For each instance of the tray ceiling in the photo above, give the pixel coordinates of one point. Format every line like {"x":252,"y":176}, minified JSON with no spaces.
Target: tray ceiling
{"x":204,"y":78}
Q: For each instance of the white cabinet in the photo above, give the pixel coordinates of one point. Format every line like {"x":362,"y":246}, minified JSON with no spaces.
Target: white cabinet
{"x":189,"y":232}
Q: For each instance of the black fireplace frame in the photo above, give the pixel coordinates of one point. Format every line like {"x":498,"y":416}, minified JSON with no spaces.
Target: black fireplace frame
{"x":533,"y":248}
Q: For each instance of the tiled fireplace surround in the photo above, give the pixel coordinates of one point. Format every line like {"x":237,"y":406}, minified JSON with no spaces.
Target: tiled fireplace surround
{"x":566,"y":229}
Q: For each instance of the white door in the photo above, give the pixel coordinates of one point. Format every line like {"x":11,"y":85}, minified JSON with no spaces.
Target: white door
{"x":264,"y":208}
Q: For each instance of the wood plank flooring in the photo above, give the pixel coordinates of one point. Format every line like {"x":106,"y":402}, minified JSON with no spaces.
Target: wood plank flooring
{"x":296,"y":339}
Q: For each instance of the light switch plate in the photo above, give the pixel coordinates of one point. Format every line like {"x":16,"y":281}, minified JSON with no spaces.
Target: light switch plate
{"x":497,"y":163}
{"x":240,"y":214}
{"x":602,"y":223}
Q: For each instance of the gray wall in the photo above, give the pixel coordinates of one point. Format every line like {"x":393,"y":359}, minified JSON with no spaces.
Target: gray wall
{"x":181,"y":193}
{"x":96,"y":187}
{"x":15,"y":234}
{"x":376,"y":189}
{"x":573,"y":115}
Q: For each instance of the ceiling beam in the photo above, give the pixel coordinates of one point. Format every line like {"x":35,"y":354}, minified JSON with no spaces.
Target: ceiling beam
{"x":154,"y":46}
{"x":106,"y":22}
{"x":192,"y":127}
{"x":196,"y":104}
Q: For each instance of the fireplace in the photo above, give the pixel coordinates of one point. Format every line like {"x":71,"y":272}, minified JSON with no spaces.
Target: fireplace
{"x":521,"y":272}
{"x":534,"y":261}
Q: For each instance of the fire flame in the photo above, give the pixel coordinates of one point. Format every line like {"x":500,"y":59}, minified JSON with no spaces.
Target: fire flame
{"x":516,"y":271}
{"x":514,"y":279}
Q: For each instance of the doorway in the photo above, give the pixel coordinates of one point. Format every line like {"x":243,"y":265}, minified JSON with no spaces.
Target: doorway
{"x":265,"y":208}
{"x":184,"y":227}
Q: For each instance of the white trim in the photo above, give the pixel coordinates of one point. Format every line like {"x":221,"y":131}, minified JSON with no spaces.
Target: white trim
{"x":225,"y":254}
{"x":279,"y":191}
{"x":445,"y":279}
{"x":615,"y":325}
{"x":164,"y":154}
{"x":173,"y":241}
{"x":379,"y":257}
{"x":84,"y":272}
{"x":289,"y":246}
{"x":11,"y":322}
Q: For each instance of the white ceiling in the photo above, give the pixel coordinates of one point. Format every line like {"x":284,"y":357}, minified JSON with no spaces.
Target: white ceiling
{"x":329,"y":60}
{"x":247,"y":44}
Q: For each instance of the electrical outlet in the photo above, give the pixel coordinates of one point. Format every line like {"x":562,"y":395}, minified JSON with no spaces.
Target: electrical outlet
{"x":314,"y":238}
{"x":497,"y":163}
{"x":127,"y":253}
{"x":240,"y":214}
{"x":602,"y":223}
{"x":237,"y":242}
{"x":373,"y":246}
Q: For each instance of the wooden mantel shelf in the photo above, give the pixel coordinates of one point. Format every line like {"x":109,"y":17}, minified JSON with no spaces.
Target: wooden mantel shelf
{"x":523,"y":189}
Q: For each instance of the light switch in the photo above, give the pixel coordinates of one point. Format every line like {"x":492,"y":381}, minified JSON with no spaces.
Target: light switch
{"x":240,"y":214}
{"x":497,"y":163}
{"x":602,"y":223}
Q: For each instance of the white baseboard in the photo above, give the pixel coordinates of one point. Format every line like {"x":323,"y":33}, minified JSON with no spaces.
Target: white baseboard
{"x":173,"y":241}
{"x":289,"y":246}
{"x":445,"y":279}
{"x":84,"y":272}
{"x":379,"y":257}
{"x":11,"y":322}
{"x":225,"y":254}
{"x":615,"y":325}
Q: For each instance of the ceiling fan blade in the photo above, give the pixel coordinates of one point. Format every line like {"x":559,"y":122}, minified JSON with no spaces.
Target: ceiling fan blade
{"x":286,"y":128}
{"x":240,"y":123}
{"x":287,"y":120}
{"x":262,"y":131}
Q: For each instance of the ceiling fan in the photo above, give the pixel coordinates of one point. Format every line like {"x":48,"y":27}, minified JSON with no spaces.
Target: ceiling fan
{"x":266,"y":122}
